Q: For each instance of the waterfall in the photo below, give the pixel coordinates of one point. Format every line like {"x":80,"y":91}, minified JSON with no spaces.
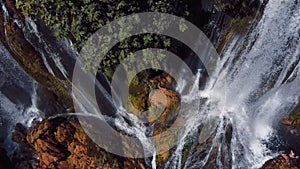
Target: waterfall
{"x":255,"y":85}
{"x":17,"y":99}
{"x":258,"y":92}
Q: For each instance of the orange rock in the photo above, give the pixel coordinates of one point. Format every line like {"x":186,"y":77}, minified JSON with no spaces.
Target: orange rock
{"x":287,"y":121}
{"x":61,"y":143}
{"x":164,"y":81}
{"x":279,"y":162}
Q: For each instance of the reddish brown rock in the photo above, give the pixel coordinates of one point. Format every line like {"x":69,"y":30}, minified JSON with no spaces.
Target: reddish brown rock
{"x":288,"y":122}
{"x":280,"y":162}
{"x":164,"y":104}
{"x":292,"y":122}
{"x":61,"y":143}
{"x":164,"y":81}
{"x":155,"y":100}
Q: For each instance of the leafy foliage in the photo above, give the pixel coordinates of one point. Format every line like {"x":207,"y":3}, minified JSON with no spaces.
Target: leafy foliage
{"x":78,"y":20}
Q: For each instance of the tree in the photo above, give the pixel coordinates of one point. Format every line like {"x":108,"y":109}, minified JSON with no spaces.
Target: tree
{"x":78,"y":20}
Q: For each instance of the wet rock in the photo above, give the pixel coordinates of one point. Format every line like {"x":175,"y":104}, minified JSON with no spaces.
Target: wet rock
{"x":155,"y":100}
{"x":292,"y":121}
{"x":289,"y":129}
{"x":47,"y":101}
{"x":29,"y":59}
{"x":236,"y":8}
{"x":280,"y":162}
{"x":164,"y":104}
{"x":16,"y":93}
{"x":292,"y":126}
{"x":62,"y":143}
{"x":163,"y":81}
{"x":167,"y":101}
{"x":216,"y":153}
{"x":12,"y":8}
{"x":5,"y":162}
{"x":20,"y":133}
{"x":25,"y":157}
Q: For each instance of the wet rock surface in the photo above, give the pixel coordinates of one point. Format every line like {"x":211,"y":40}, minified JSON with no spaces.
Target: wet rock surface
{"x":14,"y":40}
{"x":5,"y":162}
{"x":25,"y":157}
{"x":240,"y":8}
{"x":62,"y":143}
{"x":280,"y":162}
{"x":155,"y":100}
{"x":292,"y":122}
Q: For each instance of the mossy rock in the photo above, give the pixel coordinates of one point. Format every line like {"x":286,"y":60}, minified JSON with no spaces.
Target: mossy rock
{"x":30,"y":60}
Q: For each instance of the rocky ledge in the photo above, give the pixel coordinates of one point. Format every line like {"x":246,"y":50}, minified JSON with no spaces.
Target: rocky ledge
{"x":62,"y":143}
{"x":281,"y":162}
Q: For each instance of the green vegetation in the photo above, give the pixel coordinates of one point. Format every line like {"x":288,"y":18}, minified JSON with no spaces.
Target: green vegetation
{"x":240,"y":25}
{"x":29,"y":59}
{"x":137,"y":102}
{"x":78,"y":20}
{"x":106,"y":161}
{"x":295,"y":115}
{"x":138,"y":90}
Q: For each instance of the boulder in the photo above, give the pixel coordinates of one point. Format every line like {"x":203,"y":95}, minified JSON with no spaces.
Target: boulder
{"x":155,"y":100}
{"x":61,"y":143}
{"x":163,"y":81}
{"x":280,"y":162}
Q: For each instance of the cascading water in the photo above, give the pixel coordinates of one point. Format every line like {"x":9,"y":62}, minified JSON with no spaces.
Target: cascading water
{"x":17,"y":99}
{"x":255,"y":84}
{"x":258,"y":91}
{"x":50,"y":49}
{"x":251,"y":90}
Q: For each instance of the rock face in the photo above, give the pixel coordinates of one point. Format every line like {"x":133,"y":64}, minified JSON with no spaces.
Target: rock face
{"x":158,"y":104}
{"x":61,"y":143}
{"x":5,"y":163}
{"x":14,"y":40}
{"x":237,"y":7}
{"x":165,"y":81}
{"x":292,"y":122}
{"x":280,"y":162}
{"x":165,"y":101}
{"x":25,"y":157}
{"x":292,"y":126}
{"x":156,"y":100}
